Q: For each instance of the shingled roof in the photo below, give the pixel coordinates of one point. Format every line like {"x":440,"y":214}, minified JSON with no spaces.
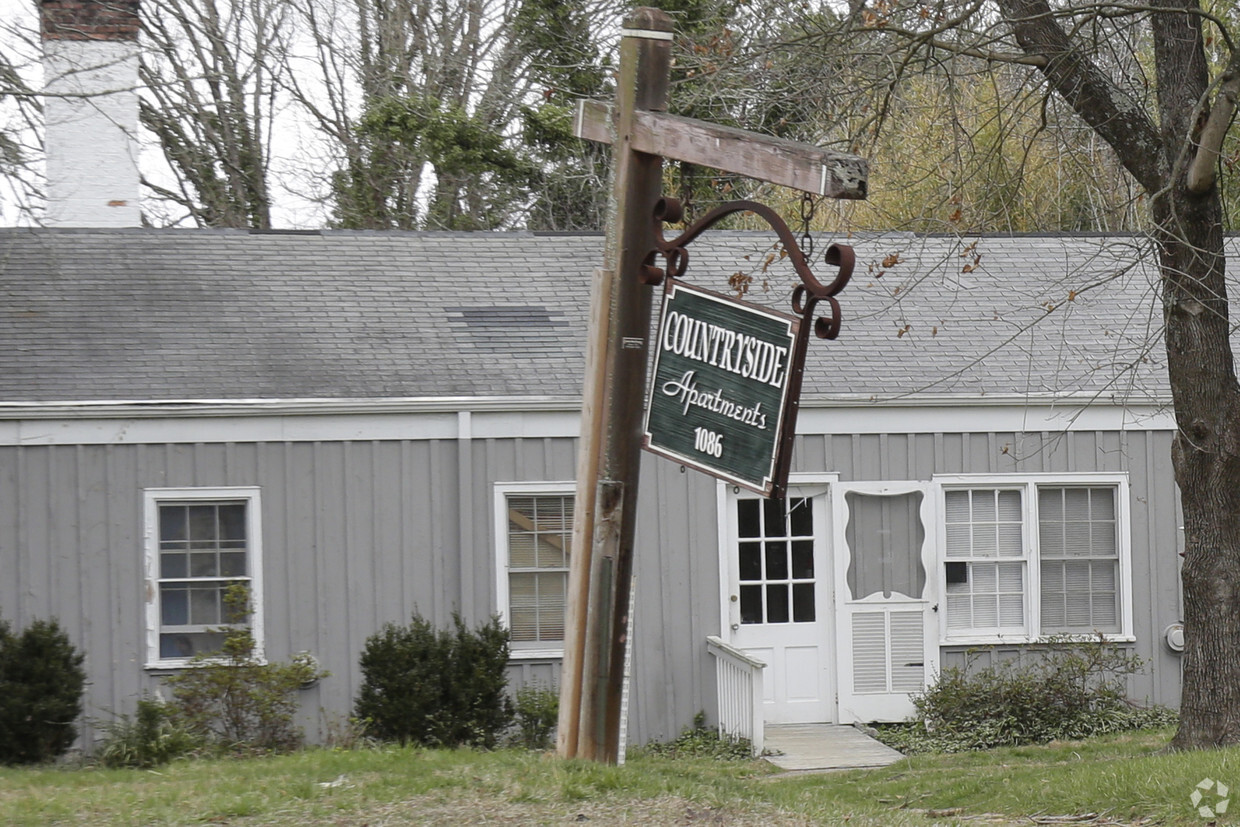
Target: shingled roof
{"x":156,"y":315}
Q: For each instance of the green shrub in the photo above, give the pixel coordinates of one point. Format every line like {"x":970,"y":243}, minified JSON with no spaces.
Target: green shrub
{"x":538,"y":712}
{"x":436,"y":688}
{"x":41,"y":683}
{"x":151,"y":738}
{"x":1068,"y":690}
{"x":233,"y":701}
{"x":699,"y":741}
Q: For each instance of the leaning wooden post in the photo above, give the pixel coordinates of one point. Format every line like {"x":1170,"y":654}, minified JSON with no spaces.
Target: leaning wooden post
{"x":609,"y":451}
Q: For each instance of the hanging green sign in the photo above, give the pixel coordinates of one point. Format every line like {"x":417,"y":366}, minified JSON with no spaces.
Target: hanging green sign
{"x":720,"y":387}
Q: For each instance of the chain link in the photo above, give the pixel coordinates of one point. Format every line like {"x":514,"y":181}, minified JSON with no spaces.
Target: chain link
{"x":808,"y":205}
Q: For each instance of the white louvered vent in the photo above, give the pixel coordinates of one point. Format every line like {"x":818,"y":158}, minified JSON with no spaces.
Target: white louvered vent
{"x":888,"y":652}
{"x":869,"y":648}
{"x":907,"y":652}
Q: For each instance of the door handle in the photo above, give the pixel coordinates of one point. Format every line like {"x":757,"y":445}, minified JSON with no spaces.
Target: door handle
{"x":735,"y":626}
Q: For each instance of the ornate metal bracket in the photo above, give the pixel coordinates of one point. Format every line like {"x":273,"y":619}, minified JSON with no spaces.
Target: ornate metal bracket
{"x":806,"y":295}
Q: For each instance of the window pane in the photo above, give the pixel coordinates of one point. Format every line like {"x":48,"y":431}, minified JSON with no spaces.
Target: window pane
{"x":958,"y":536}
{"x":232,"y":522}
{"x":202,"y":524}
{"x":232,"y":564}
{"x":1011,"y":610}
{"x":957,"y":506}
{"x":1075,"y":504}
{"x":1076,"y":540}
{"x":984,"y":576}
{"x":773,"y":518}
{"x":203,"y":564}
{"x":750,"y":561}
{"x":550,"y":516}
{"x":984,"y":542}
{"x":173,"y":564}
{"x":1050,"y":504}
{"x":188,"y":644}
{"x":174,"y":605}
{"x":985,"y":611}
{"x":747,"y":518}
{"x":522,"y":552}
{"x":172,"y":522}
{"x":1010,"y":579}
{"x":803,"y":602}
{"x":1011,"y":541}
{"x":204,"y":606}
{"x":751,"y":604}
{"x":523,"y":606}
{"x":777,"y":603}
{"x":1102,"y":504}
{"x":520,"y":514}
{"x":551,"y":551}
{"x":801,"y":517}
{"x":959,"y":607}
{"x":802,"y":559}
{"x":777,"y":561}
{"x":1009,"y":506}
{"x":984,"y":509}
{"x":552,"y":591}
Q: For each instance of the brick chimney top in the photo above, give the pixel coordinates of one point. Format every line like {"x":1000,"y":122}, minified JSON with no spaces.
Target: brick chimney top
{"x":89,"y":19}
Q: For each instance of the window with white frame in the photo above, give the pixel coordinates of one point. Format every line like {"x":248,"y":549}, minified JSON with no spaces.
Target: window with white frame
{"x":987,"y":560}
{"x":200,"y":542}
{"x":1037,"y":557}
{"x":1079,"y":559}
{"x":534,"y":528}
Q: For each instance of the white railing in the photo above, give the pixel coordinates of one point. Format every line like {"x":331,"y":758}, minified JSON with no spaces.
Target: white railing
{"x":738,"y":679}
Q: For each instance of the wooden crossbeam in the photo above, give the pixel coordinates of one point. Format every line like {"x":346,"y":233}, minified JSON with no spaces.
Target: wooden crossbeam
{"x":801,"y":166}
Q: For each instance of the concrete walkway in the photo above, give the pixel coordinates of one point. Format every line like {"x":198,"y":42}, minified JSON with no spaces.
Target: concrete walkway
{"x":824,"y":747}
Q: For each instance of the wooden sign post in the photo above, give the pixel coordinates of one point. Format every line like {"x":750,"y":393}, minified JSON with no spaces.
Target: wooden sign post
{"x":641,"y":134}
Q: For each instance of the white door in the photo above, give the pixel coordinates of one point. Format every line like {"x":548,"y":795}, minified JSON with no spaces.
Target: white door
{"x":887,"y":615}
{"x":778,"y":600}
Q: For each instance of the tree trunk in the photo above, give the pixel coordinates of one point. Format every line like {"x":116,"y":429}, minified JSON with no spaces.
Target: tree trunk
{"x":1204,"y":391}
{"x":1206,"y":457}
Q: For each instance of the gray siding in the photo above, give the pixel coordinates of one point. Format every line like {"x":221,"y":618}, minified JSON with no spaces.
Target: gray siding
{"x":360,"y":533}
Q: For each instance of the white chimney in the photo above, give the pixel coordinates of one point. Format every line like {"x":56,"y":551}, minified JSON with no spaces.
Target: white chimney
{"x":90,"y":65}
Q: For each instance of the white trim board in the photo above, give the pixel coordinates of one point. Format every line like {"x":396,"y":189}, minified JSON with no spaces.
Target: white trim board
{"x":93,"y":424}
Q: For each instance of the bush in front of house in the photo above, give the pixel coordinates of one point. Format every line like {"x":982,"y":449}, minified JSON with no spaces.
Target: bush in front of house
{"x":435,"y":687}
{"x":150,"y":738}
{"x":232,"y":701}
{"x":538,"y":712}
{"x":41,"y":683}
{"x":1066,"y":690}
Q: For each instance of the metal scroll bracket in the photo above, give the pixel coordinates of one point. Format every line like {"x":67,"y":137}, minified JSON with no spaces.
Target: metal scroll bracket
{"x":806,"y":296}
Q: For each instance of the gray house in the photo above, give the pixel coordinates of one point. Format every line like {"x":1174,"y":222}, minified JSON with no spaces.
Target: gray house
{"x":364,"y":425}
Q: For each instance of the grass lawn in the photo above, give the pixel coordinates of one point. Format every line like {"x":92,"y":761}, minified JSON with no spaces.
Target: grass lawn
{"x":1122,"y":779}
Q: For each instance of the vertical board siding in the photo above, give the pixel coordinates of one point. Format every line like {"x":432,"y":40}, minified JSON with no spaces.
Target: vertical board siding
{"x":362,"y":533}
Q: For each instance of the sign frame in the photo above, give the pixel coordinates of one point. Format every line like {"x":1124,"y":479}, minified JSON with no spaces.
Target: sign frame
{"x":774,"y":463}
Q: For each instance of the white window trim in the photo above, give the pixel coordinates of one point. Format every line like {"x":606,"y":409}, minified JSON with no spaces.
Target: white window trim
{"x":151,"y":498}
{"x":501,"y":492}
{"x":1029,"y":484}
